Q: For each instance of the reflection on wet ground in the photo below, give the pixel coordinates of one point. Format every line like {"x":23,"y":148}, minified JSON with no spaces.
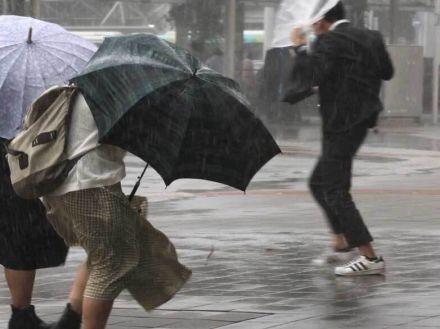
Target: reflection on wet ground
{"x":258,"y":258}
{"x":416,"y":138}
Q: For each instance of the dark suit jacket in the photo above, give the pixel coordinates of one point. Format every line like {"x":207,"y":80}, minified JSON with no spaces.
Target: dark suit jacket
{"x":348,"y":65}
{"x":275,"y":73}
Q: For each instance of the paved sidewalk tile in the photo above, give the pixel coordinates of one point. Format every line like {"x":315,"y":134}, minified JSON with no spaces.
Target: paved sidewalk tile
{"x":258,"y":259}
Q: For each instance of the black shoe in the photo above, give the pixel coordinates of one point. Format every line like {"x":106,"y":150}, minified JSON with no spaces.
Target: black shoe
{"x":69,"y":320}
{"x":26,"y":319}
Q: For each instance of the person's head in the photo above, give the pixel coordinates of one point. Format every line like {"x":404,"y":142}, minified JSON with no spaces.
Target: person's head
{"x":217,"y":51}
{"x":333,"y":15}
{"x":197,"y":46}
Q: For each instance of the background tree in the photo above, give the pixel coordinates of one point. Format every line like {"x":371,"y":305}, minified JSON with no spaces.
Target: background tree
{"x":199,"y":24}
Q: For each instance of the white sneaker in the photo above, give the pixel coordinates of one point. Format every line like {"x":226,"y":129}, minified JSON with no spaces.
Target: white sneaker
{"x":362,"y":266}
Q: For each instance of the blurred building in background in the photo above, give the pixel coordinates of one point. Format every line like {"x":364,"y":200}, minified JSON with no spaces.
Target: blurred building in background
{"x":234,"y":35}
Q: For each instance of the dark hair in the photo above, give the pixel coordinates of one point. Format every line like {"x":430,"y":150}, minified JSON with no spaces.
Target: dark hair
{"x":217,"y":51}
{"x":197,"y":45}
{"x":336,"y":13}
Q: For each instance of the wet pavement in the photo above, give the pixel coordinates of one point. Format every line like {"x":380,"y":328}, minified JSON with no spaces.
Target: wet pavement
{"x":257,"y":257}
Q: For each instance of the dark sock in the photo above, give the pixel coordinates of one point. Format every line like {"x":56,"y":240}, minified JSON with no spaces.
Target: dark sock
{"x":372,"y":259}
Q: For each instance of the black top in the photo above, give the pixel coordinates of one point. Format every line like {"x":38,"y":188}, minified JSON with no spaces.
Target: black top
{"x":5,"y":181}
{"x":348,"y":65}
{"x":27,"y":240}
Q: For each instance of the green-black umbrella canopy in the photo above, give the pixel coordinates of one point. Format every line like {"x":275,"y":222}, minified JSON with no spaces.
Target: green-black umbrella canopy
{"x":162,"y":104}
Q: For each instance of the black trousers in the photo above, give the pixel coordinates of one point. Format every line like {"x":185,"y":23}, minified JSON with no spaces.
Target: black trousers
{"x":330,"y":184}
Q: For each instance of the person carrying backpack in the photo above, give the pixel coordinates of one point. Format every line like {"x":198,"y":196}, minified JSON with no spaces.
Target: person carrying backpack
{"x":87,"y":208}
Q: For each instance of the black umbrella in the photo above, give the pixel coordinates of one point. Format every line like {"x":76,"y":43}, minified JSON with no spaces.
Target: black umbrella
{"x":160,"y":103}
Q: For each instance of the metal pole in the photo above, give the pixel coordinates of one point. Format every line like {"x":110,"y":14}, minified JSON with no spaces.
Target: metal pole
{"x":231,"y":29}
{"x":36,"y":8}
{"x":122,"y":10}
{"x":394,"y":16}
{"x":269,"y":26}
{"x":436,"y":64}
{"x":110,"y":13}
{"x":5,"y":7}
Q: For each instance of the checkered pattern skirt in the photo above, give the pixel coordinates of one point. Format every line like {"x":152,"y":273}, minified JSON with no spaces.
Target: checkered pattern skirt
{"x":124,"y":250}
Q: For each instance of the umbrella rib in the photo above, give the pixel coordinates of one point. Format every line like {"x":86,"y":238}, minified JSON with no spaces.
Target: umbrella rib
{"x":43,"y":78}
{"x":20,"y":91}
{"x":228,"y":91}
{"x":62,"y":50}
{"x":39,"y":71}
{"x":10,"y":67}
{"x":60,"y":58}
{"x":9,"y":53}
{"x":48,"y":43}
{"x":111,"y":66}
{"x":186,"y":131}
{"x":163,"y":48}
{"x":229,"y":95}
{"x":177,"y":56}
{"x":14,"y":43}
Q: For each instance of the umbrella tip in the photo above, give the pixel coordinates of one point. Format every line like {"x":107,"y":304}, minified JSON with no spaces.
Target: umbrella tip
{"x":29,"y":38}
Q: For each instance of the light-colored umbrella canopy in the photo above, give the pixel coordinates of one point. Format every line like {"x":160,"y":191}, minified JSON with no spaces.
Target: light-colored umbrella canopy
{"x":295,"y":13}
{"x":29,"y":64}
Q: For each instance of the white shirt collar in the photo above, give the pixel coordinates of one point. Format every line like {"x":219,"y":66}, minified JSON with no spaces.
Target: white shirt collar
{"x":335,"y":24}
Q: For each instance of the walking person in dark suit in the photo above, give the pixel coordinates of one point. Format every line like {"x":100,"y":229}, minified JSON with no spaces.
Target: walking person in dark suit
{"x":347,"y":64}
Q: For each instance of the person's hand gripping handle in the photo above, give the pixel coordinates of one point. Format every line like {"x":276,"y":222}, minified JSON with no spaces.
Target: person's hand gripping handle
{"x":298,"y":36}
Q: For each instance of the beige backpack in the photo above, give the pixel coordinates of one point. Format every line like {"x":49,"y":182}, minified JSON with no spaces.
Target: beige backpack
{"x":36,"y":156}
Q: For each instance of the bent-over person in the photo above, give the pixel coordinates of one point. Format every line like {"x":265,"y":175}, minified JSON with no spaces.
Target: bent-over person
{"x":124,"y":251}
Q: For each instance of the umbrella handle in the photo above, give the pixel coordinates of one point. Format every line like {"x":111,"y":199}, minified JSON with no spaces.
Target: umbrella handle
{"x":138,"y":183}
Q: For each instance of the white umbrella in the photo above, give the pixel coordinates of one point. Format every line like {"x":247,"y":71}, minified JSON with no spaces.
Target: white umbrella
{"x":295,"y":13}
{"x":34,"y":55}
